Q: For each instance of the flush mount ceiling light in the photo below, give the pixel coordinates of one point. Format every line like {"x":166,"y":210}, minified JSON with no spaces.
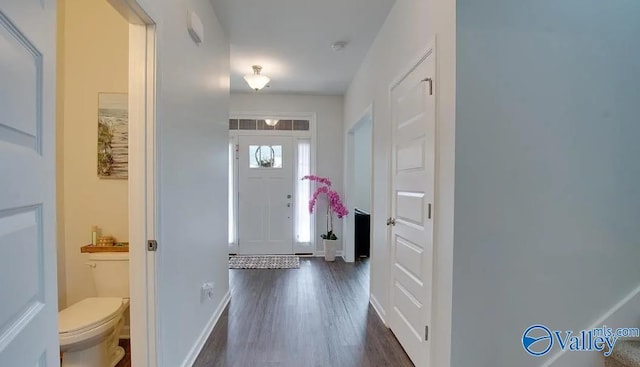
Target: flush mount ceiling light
{"x":256,"y":80}
{"x":271,"y":122}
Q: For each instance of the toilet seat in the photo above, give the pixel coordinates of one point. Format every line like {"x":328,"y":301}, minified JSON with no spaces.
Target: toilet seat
{"x":88,"y":314}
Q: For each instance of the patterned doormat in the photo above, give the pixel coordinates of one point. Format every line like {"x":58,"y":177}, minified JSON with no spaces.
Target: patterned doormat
{"x":264,"y":262}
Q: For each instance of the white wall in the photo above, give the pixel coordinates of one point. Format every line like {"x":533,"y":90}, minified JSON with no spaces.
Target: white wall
{"x":192,"y":131}
{"x":328,"y":110}
{"x":93,"y":58}
{"x":547,"y":199}
{"x":362,"y":168}
{"x":411,"y":25}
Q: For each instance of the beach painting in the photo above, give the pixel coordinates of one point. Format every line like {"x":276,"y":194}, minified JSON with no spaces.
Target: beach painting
{"x":113,"y":135}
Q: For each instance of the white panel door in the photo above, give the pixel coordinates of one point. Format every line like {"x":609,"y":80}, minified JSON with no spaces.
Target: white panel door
{"x":413,"y":165}
{"x":28,"y":290}
{"x":265,"y":195}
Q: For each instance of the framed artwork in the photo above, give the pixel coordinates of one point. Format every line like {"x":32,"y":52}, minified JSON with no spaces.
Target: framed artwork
{"x":113,"y":135}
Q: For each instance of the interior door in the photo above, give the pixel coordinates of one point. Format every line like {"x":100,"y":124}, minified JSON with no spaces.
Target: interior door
{"x":413,"y":166}
{"x":265,"y":195}
{"x":28,"y":309}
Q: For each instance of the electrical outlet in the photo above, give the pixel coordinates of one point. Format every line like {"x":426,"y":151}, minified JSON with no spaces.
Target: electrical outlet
{"x":206,"y":291}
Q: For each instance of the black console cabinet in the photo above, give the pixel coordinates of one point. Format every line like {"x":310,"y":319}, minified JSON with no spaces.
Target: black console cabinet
{"x":362,"y":233}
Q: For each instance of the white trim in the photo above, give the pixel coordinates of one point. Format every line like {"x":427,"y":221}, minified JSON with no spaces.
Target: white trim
{"x":142,"y":170}
{"x":382,"y":314}
{"x":631,"y":302}
{"x":320,"y":253}
{"x":429,"y":49}
{"x":132,"y":11}
{"x":368,"y":111}
{"x":257,"y":115}
{"x":204,"y":335}
{"x":311,"y":133}
{"x":125,"y":332}
{"x":152,"y":198}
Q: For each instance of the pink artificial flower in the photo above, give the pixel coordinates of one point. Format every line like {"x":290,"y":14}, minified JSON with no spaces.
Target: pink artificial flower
{"x":335,"y":203}
{"x":322,"y":180}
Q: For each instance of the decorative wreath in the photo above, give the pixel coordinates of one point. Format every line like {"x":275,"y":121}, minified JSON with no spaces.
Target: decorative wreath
{"x":265,"y":163}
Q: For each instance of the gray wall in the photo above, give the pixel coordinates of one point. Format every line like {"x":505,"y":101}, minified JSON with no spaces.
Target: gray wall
{"x":547,"y":196}
{"x":192,"y":148}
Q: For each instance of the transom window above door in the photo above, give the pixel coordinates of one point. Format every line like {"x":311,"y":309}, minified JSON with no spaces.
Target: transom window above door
{"x":280,"y":125}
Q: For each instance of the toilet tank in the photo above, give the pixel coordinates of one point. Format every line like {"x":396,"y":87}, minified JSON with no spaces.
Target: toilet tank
{"x":110,"y":273}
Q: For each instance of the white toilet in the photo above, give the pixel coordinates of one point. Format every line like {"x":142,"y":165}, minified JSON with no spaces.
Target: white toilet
{"x":90,"y":329}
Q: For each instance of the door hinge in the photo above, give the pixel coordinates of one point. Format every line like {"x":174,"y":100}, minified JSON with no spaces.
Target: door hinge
{"x":430,"y":81}
{"x":429,"y":211}
{"x":426,"y":333}
{"x":152,"y":245}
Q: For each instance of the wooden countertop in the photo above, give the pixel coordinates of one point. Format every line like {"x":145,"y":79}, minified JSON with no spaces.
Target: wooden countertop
{"x":93,"y":249}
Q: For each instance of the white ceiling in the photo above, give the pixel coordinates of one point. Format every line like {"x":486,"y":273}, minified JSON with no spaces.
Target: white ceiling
{"x":292,"y":40}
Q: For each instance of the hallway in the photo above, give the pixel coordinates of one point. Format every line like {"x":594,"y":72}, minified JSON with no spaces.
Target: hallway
{"x":318,"y":315}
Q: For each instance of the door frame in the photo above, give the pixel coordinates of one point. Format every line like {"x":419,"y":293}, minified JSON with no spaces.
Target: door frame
{"x":235,"y":134}
{"x":142,"y":180}
{"x":349,"y":168}
{"x":430,"y":51}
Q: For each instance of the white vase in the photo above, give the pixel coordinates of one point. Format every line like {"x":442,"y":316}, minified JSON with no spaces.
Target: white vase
{"x":330,"y":249}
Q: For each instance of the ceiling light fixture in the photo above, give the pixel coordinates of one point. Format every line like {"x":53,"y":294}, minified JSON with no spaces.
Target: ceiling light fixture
{"x":256,"y":80}
{"x":271,"y":122}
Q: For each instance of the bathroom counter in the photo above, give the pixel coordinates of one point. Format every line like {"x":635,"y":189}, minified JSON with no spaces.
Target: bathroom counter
{"x":93,"y":249}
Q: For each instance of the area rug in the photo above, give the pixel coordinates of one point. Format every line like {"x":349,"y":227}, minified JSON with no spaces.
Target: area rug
{"x":264,"y":262}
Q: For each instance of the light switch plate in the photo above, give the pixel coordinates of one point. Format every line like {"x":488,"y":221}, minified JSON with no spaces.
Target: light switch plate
{"x":206,"y":291}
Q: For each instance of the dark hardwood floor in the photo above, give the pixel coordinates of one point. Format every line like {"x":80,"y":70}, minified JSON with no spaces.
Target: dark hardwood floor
{"x":318,"y":315}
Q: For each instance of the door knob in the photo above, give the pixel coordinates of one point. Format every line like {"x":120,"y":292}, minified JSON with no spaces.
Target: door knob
{"x":391,"y":221}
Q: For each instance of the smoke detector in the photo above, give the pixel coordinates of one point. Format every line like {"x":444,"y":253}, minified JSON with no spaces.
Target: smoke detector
{"x":339,"y":46}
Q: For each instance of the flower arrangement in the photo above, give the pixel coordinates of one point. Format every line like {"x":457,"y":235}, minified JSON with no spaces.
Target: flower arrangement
{"x":335,"y":204}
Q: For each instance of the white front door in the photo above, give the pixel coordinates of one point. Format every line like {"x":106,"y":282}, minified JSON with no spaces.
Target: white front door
{"x":413,"y":170}
{"x":265,"y":195}
{"x":28,"y":290}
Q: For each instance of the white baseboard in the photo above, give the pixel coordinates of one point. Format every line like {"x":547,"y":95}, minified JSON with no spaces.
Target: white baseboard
{"x":378,"y":308}
{"x":321,"y":254}
{"x":625,"y":313}
{"x":202,"y":339}
{"x":125,"y":332}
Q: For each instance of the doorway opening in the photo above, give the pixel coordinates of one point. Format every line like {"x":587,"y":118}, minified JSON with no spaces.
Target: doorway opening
{"x":268,"y":200}
{"x":105,"y":168}
{"x":359,"y":179}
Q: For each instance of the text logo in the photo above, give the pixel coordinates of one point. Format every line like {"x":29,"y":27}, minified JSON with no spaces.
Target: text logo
{"x":537,"y":340}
